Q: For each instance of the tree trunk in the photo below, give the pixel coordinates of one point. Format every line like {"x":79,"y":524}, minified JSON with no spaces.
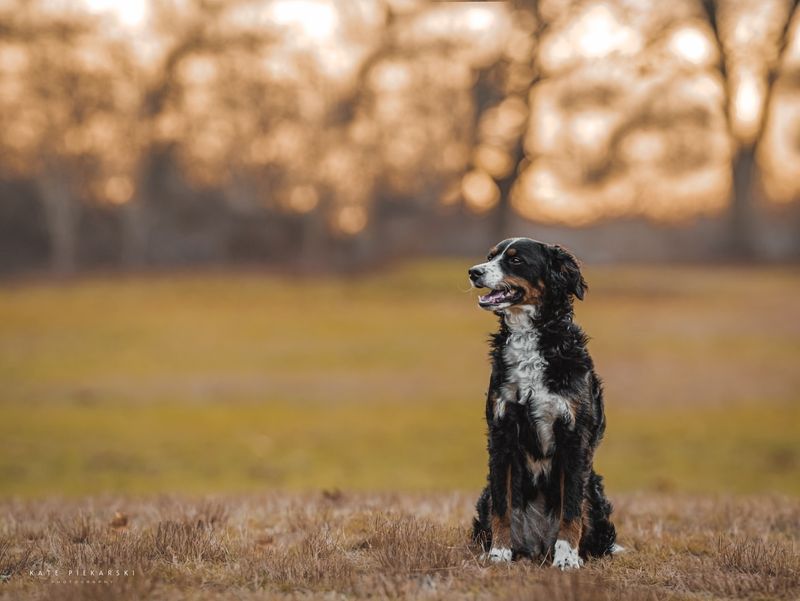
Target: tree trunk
{"x":61,"y":214}
{"x":134,"y":234}
{"x":315,"y":244}
{"x":742,"y":231}
{"x":504,"y":212}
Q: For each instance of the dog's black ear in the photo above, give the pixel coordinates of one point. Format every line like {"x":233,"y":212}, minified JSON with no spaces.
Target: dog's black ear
{"x":565,"y":272}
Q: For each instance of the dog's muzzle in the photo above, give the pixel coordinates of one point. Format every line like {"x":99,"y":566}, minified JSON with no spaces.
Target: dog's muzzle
{"x":500,"y":294}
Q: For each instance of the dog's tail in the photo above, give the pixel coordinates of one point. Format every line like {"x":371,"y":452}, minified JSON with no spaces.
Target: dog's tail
{"x":600,"y":537}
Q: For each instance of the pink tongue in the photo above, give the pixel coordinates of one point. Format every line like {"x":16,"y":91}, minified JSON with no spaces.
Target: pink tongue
{"x":493,"y":296}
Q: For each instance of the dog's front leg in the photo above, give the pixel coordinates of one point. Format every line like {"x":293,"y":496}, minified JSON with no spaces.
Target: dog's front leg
{"x":574,"y":473}
{"x":500,"y":486}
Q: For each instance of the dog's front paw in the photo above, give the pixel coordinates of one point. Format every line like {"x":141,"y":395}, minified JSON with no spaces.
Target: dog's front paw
{"x":499,"y":555}
{"x":566,"y":557}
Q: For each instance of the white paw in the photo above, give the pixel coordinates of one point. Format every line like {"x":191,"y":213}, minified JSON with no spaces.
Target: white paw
{"x":499,"y":554}
{"x":615,"y":548}
{"x":566,"y":557}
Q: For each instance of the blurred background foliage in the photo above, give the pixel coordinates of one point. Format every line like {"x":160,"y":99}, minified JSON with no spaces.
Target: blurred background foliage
{"x":317,"y":138}
{"x":347,"y":131}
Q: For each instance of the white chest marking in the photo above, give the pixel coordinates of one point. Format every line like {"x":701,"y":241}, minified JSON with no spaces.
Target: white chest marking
{"x":525,"y":368}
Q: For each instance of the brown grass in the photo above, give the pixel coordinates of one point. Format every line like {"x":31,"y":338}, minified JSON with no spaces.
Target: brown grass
{"x":385,"y":546}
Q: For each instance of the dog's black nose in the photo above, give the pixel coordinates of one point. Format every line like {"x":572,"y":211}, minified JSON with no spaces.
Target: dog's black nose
{"x":475,"y":273}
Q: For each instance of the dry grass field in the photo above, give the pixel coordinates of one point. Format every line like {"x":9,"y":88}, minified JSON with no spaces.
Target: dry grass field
{"x":212,"y":410}
{"x":337,"y":545}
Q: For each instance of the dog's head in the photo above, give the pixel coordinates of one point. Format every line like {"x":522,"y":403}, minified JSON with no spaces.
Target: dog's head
{"x":521,"y":271}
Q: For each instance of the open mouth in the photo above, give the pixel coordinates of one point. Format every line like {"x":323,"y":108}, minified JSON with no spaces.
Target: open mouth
{"x":502,"y":296}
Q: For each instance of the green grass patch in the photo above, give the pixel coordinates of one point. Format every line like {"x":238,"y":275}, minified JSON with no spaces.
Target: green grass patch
{"x":383,"y":446}
{"x":248,"y":381}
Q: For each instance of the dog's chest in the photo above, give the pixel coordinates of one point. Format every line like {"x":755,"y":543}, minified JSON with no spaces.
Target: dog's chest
{"x":525,"y":366}
{"x":525,"y":383}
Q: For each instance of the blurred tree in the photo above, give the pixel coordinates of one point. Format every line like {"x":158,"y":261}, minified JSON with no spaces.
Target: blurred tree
{"x":325,"y":120}
{"x":65,"y":117}
{"x":752,"y":35}
{"x":196,"y":105}
{"x":626,"y":115}
{"x":415,"y":106}
{"x":259,"y":106}
{"x":779,"y":145}
{"x":501,"y":101}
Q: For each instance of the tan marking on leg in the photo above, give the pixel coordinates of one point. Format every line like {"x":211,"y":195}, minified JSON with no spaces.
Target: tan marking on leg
{"x":501,"y":531}
{"x":501,"y":525}
{"x":570,"y":531}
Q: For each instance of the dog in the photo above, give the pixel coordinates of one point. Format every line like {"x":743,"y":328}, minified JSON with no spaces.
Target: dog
{"x":544,"y":411}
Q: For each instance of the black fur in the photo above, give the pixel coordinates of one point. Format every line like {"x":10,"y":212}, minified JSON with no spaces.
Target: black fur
{"x":513,"y":441}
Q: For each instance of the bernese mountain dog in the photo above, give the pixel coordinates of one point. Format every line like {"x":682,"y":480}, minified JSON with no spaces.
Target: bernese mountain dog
{"x":544,"y":411}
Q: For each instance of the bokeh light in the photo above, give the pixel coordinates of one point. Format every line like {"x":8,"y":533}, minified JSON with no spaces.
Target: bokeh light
{"x":567,"y":113}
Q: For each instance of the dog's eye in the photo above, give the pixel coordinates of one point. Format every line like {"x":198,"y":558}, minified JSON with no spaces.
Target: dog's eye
{"x":514,"y":261}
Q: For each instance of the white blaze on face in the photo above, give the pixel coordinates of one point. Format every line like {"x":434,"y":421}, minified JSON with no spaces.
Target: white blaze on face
{"x":492,"y":270}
